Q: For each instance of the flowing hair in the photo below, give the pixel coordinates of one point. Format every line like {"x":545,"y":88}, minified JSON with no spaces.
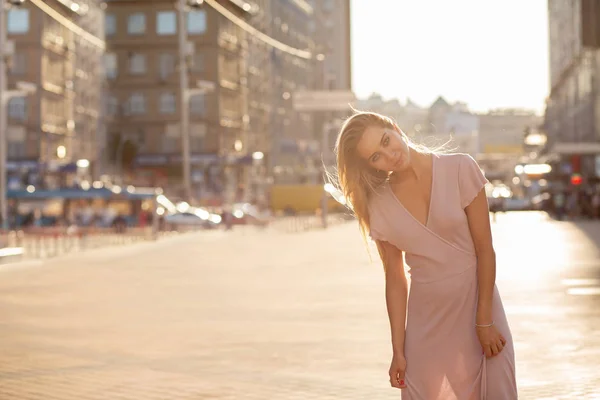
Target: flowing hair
{"x":357,"y":180}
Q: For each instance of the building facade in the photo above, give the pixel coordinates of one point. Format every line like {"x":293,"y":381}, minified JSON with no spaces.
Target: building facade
{"x":333,"y":72}
{"x":52,"y":129}
{"x":503,"y":131}
{"x":293,"y":22}
{"x":572,"y":117}
{"x":144,"y":97}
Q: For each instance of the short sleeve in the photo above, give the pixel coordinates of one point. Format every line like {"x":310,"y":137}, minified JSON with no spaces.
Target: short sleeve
{"x":470,"y":180}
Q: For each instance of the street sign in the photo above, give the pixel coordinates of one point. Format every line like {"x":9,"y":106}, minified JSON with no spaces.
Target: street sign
{"x":325,"y":100}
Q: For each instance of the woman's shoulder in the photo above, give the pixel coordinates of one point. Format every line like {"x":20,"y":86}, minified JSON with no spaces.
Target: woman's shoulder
{"x":455,"y":159}
{"x":453,"y":156}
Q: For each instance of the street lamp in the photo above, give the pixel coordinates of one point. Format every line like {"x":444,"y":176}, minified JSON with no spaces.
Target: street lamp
{"x":23,"y":90}
{"x":185,"y":92}
{"x":61,"y":152}
{"x":203,"y":87}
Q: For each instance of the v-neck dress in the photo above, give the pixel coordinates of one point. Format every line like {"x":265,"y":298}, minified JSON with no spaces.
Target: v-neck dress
{"x":443,"y":354}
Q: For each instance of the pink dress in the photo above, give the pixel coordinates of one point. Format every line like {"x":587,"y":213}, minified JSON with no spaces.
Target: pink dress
{"x":444,"y":357}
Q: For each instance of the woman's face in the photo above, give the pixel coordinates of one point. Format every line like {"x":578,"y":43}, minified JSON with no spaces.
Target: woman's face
{"x":384,"y":149}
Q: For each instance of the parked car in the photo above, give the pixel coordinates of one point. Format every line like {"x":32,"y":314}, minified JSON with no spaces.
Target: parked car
{"x":193,"y":218}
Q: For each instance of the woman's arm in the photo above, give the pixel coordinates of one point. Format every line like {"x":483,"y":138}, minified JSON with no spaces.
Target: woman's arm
{"x":492,"y":342}
{"x":396,"y":292}
{"x":479,"y":225}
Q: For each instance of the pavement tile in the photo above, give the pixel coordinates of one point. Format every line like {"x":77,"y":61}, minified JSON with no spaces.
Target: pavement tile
{"x":264,"y":314}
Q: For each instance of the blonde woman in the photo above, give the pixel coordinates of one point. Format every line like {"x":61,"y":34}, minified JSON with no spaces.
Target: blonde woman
{"x":450,"y":336}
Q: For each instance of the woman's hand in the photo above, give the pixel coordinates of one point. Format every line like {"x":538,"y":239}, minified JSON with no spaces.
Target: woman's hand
{"x":397,"y":370}
{"x":492,"y":342}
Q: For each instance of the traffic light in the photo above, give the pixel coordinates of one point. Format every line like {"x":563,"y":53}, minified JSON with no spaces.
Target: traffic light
{"x":576,"y":179}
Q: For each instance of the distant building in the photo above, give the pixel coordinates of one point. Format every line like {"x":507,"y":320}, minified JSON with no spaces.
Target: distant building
{"x":503,"y":131}
{"x":442,"y":123}
{"x":391,"y":108}
{"x":144,"y":97}
{"x":49,"y":131}
{"x":572,"y":118}
{"x":453,"y":126}
{"x":290,"y":133}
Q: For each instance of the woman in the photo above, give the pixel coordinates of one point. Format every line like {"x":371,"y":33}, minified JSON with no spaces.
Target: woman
{"x":450,"y":336}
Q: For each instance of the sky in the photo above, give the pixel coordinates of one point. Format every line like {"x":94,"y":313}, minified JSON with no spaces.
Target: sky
{"x":487,"y":53}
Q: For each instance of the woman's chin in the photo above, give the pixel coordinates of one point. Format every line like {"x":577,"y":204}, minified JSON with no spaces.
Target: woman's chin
{"x":401,"y":166}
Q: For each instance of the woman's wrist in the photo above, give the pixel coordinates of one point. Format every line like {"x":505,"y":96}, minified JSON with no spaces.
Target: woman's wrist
{"x":398,"y":349}
{"x":484,"y":315}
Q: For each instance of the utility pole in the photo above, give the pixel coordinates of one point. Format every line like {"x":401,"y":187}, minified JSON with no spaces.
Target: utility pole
{"x":184,"y":100}
{"x":3,"y":122}
{"x":325,"y":155}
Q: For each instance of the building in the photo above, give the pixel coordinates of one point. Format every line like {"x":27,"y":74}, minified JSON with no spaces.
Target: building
{"x":332,"y":38}
{"x":452,"y":126}
{"x":502,"y":132}
{"x":144,"y":96}
{"x":501,"y":140}
{"x":52,"y":129}
{"x":572,"y":117}
{"x":333,"y":41}
{"x":376,"y":103}
{"x":291,"y":133}
{"x":410,"y":117}
{"x":260,"y":95}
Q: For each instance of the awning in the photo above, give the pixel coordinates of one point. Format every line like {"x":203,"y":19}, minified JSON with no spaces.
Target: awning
{"x":576,"y":148}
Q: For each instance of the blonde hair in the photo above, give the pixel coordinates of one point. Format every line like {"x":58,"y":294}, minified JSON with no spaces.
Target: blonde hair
{"x":355,"y":178}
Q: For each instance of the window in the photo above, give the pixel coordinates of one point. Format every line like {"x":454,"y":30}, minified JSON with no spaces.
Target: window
{"x":17,"y":141}
{"x":136,"y":24}
{"x":166,"y":65}
{"x":167,"y":103}
{"x":169,"y":145}
{"x":110,"y":24}
{"x":166,"y":23}
{"x":16,"y":149}
{"x":112,"y":105}
{"x":197,"y":135}
{"x":18,"y":21}
{"x":170,"y":139}
{"x":110,"y":65}
{"x":196,"y":22}
{"x":17,"y":108}
{"x":198,"y":105}
{"x":137,"y":64}
{"x":18,"y":64}
{"x":197,"y":63}
{"x":137,"y":104}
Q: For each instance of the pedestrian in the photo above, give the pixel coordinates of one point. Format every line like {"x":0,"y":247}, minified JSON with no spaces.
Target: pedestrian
{"x":595,"y":204}
{"x":450,"y":335}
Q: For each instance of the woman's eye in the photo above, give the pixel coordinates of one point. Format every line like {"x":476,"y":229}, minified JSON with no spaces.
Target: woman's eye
{"x":375,"y":158}
{"x":386,"y":141}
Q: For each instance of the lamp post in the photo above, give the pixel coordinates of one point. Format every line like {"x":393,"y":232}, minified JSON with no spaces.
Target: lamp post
{"x":186,"y":93}
{"x":23,"y":89}
{"x":3,"y":138}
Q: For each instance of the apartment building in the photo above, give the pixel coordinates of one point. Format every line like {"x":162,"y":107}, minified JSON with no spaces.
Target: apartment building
{"x":143,"y":106}
{"x":50,"y":130}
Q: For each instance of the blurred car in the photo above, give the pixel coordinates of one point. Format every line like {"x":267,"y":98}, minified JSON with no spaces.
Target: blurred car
{"x":517,"y":204}
{"x":542,"y":202}
{"x":193,"y":218}
{"x":243,"y":213}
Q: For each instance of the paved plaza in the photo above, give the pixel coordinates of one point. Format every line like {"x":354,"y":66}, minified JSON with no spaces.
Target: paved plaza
{"x":265,"y":315}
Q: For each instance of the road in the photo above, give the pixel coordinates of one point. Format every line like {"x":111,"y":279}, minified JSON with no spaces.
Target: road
{"x":262,"y":315}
